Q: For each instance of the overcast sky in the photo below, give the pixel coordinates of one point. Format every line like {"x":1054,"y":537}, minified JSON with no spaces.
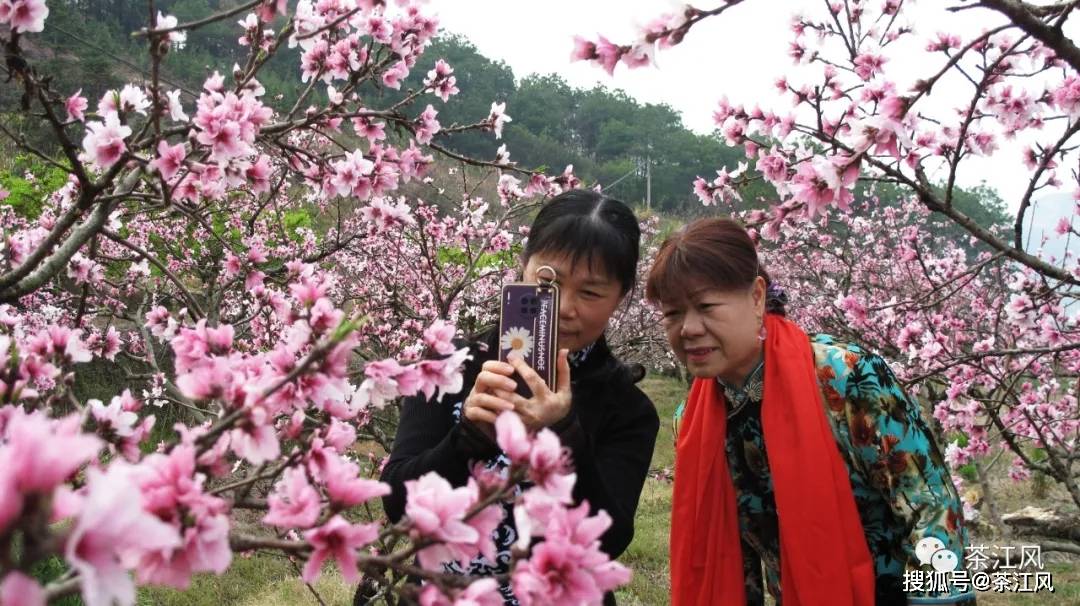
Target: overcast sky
{"x":535,"y":37}
{"x":739,"y":54}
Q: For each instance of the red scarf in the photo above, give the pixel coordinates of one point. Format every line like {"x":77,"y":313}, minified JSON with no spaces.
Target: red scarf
{"x":824,"y":558}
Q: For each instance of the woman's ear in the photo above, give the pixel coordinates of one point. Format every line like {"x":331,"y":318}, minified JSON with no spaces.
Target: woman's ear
{"x":522,"y":266}
{"x":758,"y":292}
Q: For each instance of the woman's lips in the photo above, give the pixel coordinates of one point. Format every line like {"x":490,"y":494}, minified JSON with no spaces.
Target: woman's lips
{"x":698,"y":354}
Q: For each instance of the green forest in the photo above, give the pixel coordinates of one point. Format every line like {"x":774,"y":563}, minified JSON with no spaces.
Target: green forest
{"x":607,"y":136}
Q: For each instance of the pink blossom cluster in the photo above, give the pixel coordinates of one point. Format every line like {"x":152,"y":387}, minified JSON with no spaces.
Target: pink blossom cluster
{"x":384,"y":267}
{"x":329,"y":34}
{"x":511,"y":191}
{"x":226,"y":123}
{"x":297,"y":502}
{"x":113,"y":527}
{"x":662,"y":32}
{"x":439,"y":512}
{"x":864,"y":121}
{"x":154,"y":515}
{"x":721,"y":188}
{"x":441,"y":80}
{"x":208,"y":367}
{"x":567,"y":567}
{"x":255,"y":275}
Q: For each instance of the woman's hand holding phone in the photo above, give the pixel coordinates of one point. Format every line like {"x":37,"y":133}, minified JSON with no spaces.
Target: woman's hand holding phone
{"x":493,"y":393}
{"x":488,"y":396}
{"x":546,"y":407}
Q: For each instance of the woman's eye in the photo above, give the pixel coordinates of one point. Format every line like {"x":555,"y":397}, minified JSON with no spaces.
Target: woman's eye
{"x":590,"y":294}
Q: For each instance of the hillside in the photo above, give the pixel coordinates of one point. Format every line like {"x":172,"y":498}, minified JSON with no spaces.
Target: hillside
{"x":604,"y":133}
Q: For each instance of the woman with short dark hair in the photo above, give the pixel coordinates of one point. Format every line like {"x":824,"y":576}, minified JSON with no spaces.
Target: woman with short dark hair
{"x":608,"y":425}
{"x":798,"y":452}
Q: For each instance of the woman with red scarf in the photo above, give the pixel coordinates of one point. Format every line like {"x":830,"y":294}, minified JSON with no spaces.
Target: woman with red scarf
{"x":798,"y":455}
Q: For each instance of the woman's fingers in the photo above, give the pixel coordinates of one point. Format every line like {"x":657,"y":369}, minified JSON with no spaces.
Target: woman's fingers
{"x":510,"y":396}
{"x":498,"y":367}
{"x":486,"y":402}
{"x":480,"y":415}
{"x":489,"y":381}
{"x":562,"y":368}
{"x":533,"y":380}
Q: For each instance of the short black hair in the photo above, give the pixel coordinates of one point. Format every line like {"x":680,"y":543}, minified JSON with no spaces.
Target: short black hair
{"x":586,"y":225}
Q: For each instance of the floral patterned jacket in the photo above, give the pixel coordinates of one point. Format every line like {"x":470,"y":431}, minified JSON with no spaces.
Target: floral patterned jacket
{"x":910,"y":510}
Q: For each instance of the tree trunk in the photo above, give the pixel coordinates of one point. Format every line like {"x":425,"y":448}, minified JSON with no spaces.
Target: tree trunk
{"x":1045,"y":522}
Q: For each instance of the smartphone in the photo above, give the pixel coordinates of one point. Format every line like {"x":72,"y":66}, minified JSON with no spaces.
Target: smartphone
{"x":529,"y":325}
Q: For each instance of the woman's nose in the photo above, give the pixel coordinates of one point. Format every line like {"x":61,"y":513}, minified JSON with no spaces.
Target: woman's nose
{"x":567,"y":308}
{"x":692,"y":325}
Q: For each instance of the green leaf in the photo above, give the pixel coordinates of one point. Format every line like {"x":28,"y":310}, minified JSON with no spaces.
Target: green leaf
{"x":295,"y":219}
{"x":969,"y":472}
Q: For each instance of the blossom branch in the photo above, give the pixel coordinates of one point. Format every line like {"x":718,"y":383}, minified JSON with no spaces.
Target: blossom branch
{"x":200,"y":22}
{"x":1024,"y":16}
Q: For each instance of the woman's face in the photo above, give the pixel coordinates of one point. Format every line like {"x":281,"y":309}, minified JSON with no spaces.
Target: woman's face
{"x":715,"y":332}
{"x":587,"y":297}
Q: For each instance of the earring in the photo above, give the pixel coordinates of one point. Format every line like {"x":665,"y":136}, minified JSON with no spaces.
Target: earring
{"x":761,"y":332}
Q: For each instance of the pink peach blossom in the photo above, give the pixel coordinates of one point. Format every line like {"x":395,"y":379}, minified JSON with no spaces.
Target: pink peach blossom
{"x":24,"y":15}
{"x":294,"y":503}
{"x":104,"y":142}
{"x":111,"y":534}
{"x":346,"y":488}
{"x":75,"y":105}
{"x":169,"y":159}
{"x":339,"y":540}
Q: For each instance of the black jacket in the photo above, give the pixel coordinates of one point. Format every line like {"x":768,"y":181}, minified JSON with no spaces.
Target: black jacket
{"x":610,"y":431}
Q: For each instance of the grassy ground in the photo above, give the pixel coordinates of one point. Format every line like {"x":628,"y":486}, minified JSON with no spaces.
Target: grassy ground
{"x":273,"y":581}
{"x":263,"y":580}
{"x":647,"y":554}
